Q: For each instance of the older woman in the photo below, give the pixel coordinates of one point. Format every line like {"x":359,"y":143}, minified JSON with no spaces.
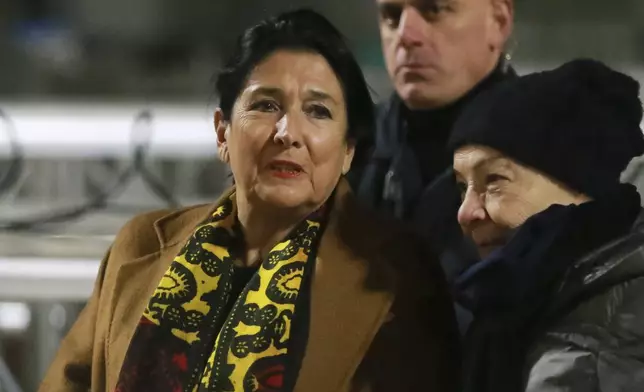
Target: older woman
{"x":285,"y":283}
{"x":558,"y":296}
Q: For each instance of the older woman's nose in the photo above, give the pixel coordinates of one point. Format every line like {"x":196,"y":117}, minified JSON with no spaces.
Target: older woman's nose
{"x":285,"y":134}
{"x":472,"y":209}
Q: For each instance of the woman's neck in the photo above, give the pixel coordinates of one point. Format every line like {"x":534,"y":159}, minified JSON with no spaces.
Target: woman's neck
{"x":263,"y":228}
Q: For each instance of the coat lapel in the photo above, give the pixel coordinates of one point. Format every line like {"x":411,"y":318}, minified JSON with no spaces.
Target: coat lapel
{"x":348,"y":305}
{"x":135,"y":281}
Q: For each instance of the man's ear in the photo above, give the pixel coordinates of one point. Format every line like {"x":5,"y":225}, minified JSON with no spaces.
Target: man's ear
{"x":222,"y":127}
{"x":503,"y":20}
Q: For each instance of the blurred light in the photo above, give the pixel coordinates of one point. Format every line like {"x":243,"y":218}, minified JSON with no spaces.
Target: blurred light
{"x":58,"y":316}
{"x":14,"y":316}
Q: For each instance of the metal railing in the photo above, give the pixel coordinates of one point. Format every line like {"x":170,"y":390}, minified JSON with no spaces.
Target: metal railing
{"x":140,"y":140}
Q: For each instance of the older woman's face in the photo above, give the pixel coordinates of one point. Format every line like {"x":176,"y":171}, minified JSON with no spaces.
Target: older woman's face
{"x":286,"y":140}
{"x":499,"y":194}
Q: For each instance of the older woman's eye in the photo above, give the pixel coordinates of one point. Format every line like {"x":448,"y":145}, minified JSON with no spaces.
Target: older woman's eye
{"x":265,"y":106}
{"x":319,"y":111}
{"x":494,"y":178}
{"x":493,"y":182}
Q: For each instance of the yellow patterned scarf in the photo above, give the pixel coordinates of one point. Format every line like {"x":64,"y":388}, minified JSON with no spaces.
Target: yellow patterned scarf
{"x":187,"y":341}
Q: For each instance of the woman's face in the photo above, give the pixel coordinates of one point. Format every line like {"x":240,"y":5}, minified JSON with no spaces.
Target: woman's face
{"x":499,"y":194}
{"x":286,"y":141}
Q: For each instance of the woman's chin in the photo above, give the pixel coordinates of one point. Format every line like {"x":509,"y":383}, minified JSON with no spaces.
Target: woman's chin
{"x":287,"y":197}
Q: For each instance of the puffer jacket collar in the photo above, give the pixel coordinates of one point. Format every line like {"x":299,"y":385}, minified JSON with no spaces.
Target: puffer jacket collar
{"x":616,"y":262}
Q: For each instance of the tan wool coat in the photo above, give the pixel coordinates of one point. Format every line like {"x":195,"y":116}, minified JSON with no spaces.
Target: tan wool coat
{"x":381,"y":317}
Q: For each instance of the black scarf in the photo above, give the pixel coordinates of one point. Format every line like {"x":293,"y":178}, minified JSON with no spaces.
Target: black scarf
{"x":507,"y":290}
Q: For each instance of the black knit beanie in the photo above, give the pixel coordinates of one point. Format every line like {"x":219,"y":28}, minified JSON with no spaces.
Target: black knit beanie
{"x":579,"y":123}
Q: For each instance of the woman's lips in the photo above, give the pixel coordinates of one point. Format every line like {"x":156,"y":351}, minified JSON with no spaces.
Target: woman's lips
{"x":487,"y":247}
{"x":491,"y":243}
{"x":285,"y":169}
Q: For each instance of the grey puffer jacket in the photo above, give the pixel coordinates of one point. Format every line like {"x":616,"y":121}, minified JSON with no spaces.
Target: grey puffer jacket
{"x":594,"y":331}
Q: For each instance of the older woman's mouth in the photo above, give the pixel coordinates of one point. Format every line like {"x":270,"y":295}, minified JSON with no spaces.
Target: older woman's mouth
{"x":285,"y":169}
{"x":487,"y":247}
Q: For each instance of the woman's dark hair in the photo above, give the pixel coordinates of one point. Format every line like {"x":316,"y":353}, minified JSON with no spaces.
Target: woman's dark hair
{"x":307,"y":30}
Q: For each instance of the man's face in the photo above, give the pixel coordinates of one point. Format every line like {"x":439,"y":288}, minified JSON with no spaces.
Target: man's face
{"x":437,"y":50}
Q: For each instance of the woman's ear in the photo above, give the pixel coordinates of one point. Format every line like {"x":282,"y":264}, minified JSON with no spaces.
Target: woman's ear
{"x":222,"y":127}
{"x":348,"y":157}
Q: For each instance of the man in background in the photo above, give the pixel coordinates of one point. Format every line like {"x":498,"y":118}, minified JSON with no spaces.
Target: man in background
{"x":439,"y":54}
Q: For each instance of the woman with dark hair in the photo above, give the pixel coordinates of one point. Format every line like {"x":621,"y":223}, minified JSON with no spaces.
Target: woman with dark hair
{"x":558,"y":296}
{"x":285,"y":283}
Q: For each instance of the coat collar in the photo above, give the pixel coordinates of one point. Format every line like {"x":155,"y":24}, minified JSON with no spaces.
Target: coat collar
{"x":614,"y":263}
{"x":346,"y":215}
{"x":179,"y":225}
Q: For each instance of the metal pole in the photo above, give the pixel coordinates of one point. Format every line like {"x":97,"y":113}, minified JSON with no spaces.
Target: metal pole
{"x":7,"y":382}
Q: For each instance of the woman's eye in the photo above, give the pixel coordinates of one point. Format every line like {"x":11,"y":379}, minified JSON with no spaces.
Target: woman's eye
{"x":493,"y":182}
{"x":265,"y":106}
{"x":319,"y":111}
{"x":494,"y":178}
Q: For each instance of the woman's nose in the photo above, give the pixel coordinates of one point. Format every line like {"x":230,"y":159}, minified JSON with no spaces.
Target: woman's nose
{"x":285,"y":133}
{"x":472,"y":209}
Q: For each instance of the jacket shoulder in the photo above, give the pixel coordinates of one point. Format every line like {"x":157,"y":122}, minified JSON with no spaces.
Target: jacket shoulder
{"x":600,"y":271}
{"x":598,"y":322}
{"x":614,"y":285}
{"x":601,"y":342}
{"x":391,"y":245}
{"x":422,"y":327}
{"x":600,"y":285}
{"x":603,"y":315}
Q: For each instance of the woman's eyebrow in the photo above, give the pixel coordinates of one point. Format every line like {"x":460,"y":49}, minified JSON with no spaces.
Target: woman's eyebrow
{"x":500,"y":163}
{"x":486,"y":162}
{"x":320,"y":95}
{"x":274,"y":92}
